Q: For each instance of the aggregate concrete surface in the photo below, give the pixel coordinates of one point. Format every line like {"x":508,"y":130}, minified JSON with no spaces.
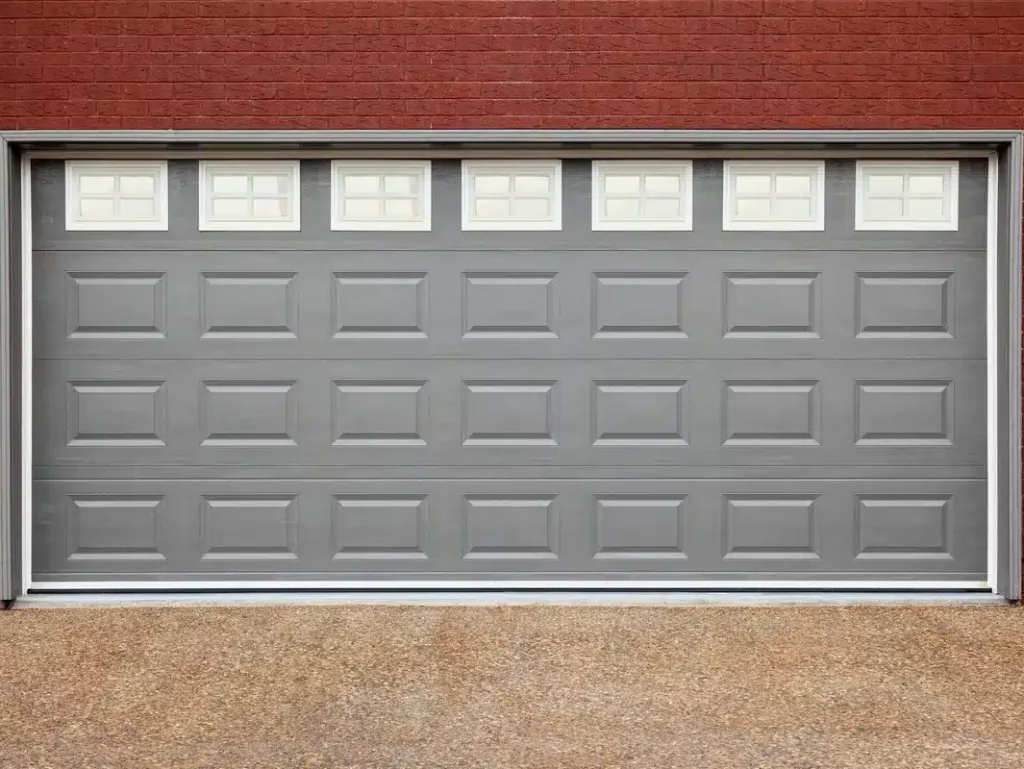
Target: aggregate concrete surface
{"x":518,"y":687}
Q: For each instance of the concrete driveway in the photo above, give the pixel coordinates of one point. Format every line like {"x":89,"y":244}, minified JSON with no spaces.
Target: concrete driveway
{"x":513,"y":687}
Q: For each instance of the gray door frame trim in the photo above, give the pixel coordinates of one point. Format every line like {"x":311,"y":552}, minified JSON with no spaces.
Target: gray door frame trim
{"x":1007,"y":240}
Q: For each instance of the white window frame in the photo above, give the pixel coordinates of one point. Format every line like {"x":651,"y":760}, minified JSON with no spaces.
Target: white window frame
{"x":906,"y":168}
{"x":240,"y":168}
{"x":601,"y":169}
{"x":471,"y":168}
{"x":731,"y":168}
{"x":73,"y":170}
{"x":381,"y":168}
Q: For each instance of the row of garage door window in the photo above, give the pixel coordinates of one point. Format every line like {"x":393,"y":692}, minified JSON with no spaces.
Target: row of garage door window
{"x":512,"y":195}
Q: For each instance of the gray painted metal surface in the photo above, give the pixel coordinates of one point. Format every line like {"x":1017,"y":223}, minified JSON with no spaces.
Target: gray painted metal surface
{"x":8,"y":586}
{"x":483,"y":404}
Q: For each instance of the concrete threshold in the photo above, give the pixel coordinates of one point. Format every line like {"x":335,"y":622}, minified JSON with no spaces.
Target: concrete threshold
{"x":507,"y":598}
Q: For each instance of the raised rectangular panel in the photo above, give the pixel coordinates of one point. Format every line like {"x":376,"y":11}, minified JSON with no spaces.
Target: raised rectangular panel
{"x":511,"y":195}
{"x":117,"y":305}
{"x":380,"y":305}
{"x":903,"y":526}
{"x":116,"y":413}
{"x":384,"y":527}
{"x":389,"y":413}
{"x":773,"y":195}
{"x":640,"y":413}
{"x":772,"y":305}
{"x":637,"y":305}
{"x":510,"y":527}
{"x":770,"y":526}
{"x":770,"y":414}
{"x":248,"y":413}
{"x":252,"y":195}
{"x":507,"y":414}
{"x":904,"y":413}
{"x":115,"y":195}
{"x":508,"y":305}
{"x":912,"y":305}
{"x":649,"y":526}
{"x":248,"y":305}
{"x":250,"y":527}
{"x":652,"y":195}
{"x":388,"y":195}
{"x":113,"y":527}
{"x":907,"y":195}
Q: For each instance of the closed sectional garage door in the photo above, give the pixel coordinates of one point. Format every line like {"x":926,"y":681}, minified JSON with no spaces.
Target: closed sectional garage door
{"x":415,"y":371}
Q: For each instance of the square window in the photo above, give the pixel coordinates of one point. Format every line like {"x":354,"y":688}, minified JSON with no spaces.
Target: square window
{"x":907,"y":195}
{"x":380,"y":195}
{"x":645,"y":195}
{"x":773,"y":195}
{"x":115,"y":195}
{"x":251,"y":195}
{"x":511,"y":195}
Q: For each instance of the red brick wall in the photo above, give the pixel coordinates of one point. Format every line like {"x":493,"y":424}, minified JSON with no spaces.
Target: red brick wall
{"x":511,"y":63}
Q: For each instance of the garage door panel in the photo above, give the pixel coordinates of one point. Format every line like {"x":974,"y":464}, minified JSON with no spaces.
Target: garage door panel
{"x":386,"y":529}
{"x":399,"y":413}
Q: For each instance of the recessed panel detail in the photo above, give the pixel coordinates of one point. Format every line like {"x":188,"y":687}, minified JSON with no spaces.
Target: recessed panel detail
{"x":911,"y":305}
{"x":510,"y":527}
{"x":508,"y":305}
{"x":117,"y":305}
{"x":116,"y":413}
{"x":904,"y":413}
{"x":903,"y":526}
{"x":252,"y":527}
{"x":640,"y":413}
{"x":380,"y":305}
{"x":638,"y":305}
{"x":247,"y":413}
{"x":384,"y":413}
{"x":379,"y":527}
{"x":508,"y":413}
{"x":640,"y":527}
{"x":771,"y":413}
{"x":113,"y":527}
{"x":781,"y":305}
{"x":770,"y":526}
{"x":248,"y":305}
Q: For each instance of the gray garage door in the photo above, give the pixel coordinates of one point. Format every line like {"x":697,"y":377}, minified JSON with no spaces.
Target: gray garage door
{"x":459,"y":405}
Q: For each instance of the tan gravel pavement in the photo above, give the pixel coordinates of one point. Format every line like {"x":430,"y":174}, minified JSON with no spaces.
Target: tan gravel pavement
{"x":513,"y":687}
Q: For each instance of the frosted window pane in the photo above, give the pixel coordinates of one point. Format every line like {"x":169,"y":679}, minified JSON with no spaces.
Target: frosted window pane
{"x":662,"y":185}
{"x":97,"y":185}
{"x":622,"y":185}
{"x":752,"y":208}
{"x":268,"y":185}
{"x":492,"y":208}
{"x":883,"y":209}
{"x":269,"y":208}
{"x":139,"y":208}
{"x":792,"y":209}
{"x":622,"y":208}
{"x":137,"y":185}
{"x":532,"y":185}
{"x":885,"y":185}
{"x":662,"y":208}
{"x":925,"y":185}
{"x":362,"y":185}
{"x":399,"y":185}
{"x":793,"y":185}
{"x":97,"y":208}
{"x":224,"y":184}
{"x":230,"y":208}
{"x":491,"y":185}
{"x":751,"y":184}
{"x":925,"y":208}
{"x":399,"y":208}
{"x":532,"y":208}
{"x":362,"y":210}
